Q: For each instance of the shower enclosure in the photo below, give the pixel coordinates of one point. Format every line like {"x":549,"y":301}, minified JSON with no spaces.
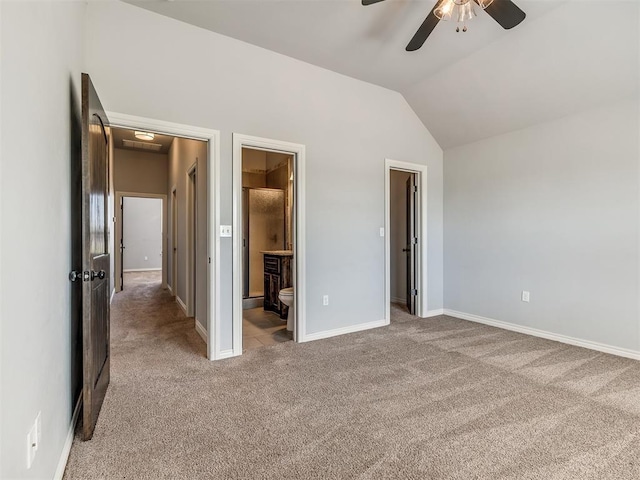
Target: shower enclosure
{"x":263,"y":230}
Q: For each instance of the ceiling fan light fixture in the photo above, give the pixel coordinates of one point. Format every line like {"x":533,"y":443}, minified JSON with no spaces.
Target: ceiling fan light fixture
{"x":466,"y":12}
{"x":144,"y":135}
{"x":484,"y":3}
{"x":444,"y":10}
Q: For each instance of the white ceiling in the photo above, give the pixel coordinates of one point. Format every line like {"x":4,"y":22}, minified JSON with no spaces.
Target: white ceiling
{"x":566,"y":56}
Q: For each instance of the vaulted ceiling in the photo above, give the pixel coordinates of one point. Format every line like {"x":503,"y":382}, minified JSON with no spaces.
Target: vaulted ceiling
{"x":567,"y":56}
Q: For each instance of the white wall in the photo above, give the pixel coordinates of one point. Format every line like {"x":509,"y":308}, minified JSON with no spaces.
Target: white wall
{"x":348,"y":126}
{"x":142,"y":235}
{"x":41,"y":48}
{"x":183,"y":154}
{"x":398,"y":240}
{"x":551,"y":209}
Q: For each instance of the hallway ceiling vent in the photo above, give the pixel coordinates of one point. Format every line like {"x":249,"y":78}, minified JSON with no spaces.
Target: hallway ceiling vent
{"x":153,"y":147}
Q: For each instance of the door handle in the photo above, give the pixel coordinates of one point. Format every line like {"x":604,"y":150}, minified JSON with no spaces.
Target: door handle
{"x":101,"y":274}
{"x":75,"y":275}
{"x":406,"y":249}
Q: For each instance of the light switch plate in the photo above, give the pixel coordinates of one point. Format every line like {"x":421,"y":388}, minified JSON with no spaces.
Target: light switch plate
{"x":382,"y":231}
{"x":525,"y":296}
{"x":225,"y":230}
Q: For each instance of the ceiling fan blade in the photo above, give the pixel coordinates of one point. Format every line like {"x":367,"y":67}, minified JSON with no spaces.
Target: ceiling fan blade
{"x":370,"y":2}
{"x":425,"y":30}
{"x":506,"y":13}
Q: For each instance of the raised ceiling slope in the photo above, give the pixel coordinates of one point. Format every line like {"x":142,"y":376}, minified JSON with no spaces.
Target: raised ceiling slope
{"x":566,"y":57}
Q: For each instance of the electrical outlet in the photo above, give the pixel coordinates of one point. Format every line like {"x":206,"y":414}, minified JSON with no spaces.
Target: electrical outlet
{"x":325,"y":300}
{"x":525,"y":296}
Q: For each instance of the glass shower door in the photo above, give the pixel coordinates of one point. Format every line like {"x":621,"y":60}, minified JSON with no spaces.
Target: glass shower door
{"x":264,"y":230}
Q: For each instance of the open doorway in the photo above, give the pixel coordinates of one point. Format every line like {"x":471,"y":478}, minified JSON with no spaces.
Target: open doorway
{"x":406,"y":239}
{"x":161,"y":205}
{"x":269,"y":251}
{"x":141,"y":237}
{"x":267,"y":247}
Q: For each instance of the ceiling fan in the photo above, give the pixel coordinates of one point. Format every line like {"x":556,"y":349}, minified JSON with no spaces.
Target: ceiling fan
{"x":505,"y":12}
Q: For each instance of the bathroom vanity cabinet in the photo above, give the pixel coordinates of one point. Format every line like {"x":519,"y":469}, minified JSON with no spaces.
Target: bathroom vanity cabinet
{"x":277,"y":275}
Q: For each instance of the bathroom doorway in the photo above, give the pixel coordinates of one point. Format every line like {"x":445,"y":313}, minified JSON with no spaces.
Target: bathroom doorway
{"x":267,"y":246}
{"x":268,"y":298}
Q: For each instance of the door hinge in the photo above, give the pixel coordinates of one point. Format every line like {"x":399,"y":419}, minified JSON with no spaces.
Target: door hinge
{"x":414,"y":291}
{"x":414,"y":241}
{"x":209,"y":259}
{"x":415,"y":189}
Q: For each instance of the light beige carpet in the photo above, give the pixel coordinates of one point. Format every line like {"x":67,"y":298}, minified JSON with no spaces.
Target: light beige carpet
{"x":438,"y":398}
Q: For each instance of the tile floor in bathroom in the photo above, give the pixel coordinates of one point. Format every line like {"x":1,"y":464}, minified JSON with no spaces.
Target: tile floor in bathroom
{"x":260,"y":328}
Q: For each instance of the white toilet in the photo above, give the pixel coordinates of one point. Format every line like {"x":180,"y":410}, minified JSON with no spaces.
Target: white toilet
{"x":286,"y":297}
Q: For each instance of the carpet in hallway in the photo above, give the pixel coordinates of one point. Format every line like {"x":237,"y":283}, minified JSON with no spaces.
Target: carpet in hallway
{"x":438,"y":398}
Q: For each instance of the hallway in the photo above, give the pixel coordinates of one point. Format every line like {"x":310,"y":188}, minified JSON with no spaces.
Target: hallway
{"x":146,"y":321}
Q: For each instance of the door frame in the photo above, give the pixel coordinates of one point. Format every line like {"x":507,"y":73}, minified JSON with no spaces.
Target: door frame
{"x":118,"y":233}
{"x":212,"y":137}
{"x":420,"y":172}
{"x":192,"y":239}
{"x":173,"y":235}
{"x":241,"y":141}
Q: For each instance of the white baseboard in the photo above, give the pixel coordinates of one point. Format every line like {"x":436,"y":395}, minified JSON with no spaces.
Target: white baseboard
{"x":344,"y":330}
{"x":226,"y":354}
{"x":201,"y":331}
{"x":183,"y":306}
{"x":600,"y":347}
{"x":434,"y":313}
{"x":170,"y":289}
{"x":129,"y":270}
{"x":66,"y":449}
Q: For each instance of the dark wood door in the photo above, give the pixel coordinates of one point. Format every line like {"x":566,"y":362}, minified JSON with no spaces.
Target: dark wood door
{"x":412,"y":243}
{"x":95,"y":257}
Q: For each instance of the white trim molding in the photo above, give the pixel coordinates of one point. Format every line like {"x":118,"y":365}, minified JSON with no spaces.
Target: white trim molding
{"x":66,"y":449}
{"x":212,"y":137}
{"x":421,"y":180}
{"x":299,"y":244}
{"x":201,"y":331}
{"x":577,"y":342}
{"x":434,"y":313}
{"x":182,"y":305}
{"x":226,"y":354}
{"x":344,"y":330}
